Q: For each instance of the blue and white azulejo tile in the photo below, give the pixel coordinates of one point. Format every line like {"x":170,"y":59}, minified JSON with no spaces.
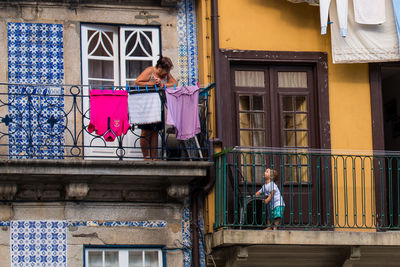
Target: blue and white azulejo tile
{"x":36,"y":113}
{"x":38,"y":243}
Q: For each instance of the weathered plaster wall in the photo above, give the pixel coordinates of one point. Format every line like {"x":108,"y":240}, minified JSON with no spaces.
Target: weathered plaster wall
{"x":100,"y":235}
{"x":71,"y":20}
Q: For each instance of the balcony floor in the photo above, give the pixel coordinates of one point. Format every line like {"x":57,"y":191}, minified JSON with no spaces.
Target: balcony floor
{"x":304,"y":248}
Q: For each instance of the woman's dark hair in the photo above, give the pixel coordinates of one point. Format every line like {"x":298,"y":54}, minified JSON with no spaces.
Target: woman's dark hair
{"x":164,"y":63}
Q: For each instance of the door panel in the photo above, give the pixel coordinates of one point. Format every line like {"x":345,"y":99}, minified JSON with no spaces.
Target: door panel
{"x":275,"y":107}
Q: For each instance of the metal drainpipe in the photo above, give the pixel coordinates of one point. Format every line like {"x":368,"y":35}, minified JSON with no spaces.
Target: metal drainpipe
{"x":217,"y":70}
{"x":198,"y":195}
{"x":195,"y":229}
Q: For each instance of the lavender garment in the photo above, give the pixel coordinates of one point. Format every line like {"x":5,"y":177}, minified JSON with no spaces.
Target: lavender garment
{"x":183,"y":110}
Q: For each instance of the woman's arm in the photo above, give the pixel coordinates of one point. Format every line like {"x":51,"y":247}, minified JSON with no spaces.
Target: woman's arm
{"x":171,"y":81}
{"x":144,"y":78}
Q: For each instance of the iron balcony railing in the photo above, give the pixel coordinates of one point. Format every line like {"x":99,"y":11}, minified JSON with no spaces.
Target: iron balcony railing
{"x":320,"y":189}
{"x":51,"y":122}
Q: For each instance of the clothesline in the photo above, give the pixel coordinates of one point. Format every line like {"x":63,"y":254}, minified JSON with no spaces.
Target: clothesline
{"x":147,"y":88}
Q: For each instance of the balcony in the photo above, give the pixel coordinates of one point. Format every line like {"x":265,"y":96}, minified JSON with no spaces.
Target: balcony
{"x":46,"y":149}
{"x":321,"y":190}
{"x":340,"y":207}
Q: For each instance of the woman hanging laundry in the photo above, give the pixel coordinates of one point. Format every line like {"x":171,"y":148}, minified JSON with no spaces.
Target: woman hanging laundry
{"x":161,"y":77}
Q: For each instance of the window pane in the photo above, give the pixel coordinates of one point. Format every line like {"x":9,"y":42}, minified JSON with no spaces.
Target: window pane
{"x":289,"y":138}
{"x":287,"y":103}
{"x":258,"y":102}
{"x":95,"y":258}
{"x":289,"y":121}
{"x":101,"y":69}
{"x":303,"y":174}
{"x":135,"y":259}
{"x":98,"y":84}
{"x":134,"y":68}
{"x":132,"y":40}
{"x":252,"y":138}
{"x":245,"y":138}
{"x":301,"y":121}
{"x":151,"y":259}
{"x":244,"y":103}
{"x":258,"y":138}
{"x":244,"y":119}
{"x":249,"y":78}
{"x":290,"y":174}
{"x":100,"y":44}
{"x":292,"y":79}
{"x":139,"y":44}
{"x":257,"y":120}
{"x":302,"y":138}
{"x":111,"y":259}
{"x":301,"y":103}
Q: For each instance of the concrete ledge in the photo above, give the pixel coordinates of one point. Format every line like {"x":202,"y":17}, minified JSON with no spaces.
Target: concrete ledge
{"x":318,"y":238}
{"x":135,"y":181}
{"x":104,"y":168}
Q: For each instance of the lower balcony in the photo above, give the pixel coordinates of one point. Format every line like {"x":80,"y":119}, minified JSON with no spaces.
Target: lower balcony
{"x":341,"y":209}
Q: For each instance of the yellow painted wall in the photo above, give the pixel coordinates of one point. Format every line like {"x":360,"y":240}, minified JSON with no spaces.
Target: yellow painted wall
{"x":278,"y":25}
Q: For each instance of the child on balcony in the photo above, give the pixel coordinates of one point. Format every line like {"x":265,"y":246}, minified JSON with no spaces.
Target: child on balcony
{"x":271,"y":191}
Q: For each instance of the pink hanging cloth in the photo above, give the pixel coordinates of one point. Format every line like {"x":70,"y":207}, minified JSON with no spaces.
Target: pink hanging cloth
{"x":183,"y":110}
{"x":108,"y":113}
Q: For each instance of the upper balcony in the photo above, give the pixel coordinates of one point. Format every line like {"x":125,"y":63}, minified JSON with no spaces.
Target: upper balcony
{"x":44,"y":138}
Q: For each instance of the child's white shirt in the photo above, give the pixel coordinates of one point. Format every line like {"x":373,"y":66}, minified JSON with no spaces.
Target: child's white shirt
{"x":267,"y":189}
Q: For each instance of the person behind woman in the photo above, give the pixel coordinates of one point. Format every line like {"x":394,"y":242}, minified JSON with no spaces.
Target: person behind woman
{"x":160,"y":76}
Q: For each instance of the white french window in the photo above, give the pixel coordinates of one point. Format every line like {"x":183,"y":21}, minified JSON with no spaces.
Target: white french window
{"x":114,"y":56}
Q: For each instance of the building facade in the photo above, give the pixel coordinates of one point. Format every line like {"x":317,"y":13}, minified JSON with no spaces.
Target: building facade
{"x":283,"y":104}
{"x":68,"y":197}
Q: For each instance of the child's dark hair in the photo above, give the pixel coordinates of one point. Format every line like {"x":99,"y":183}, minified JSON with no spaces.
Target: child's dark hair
{"x":164,"y":63}
{"x":274,"y":174}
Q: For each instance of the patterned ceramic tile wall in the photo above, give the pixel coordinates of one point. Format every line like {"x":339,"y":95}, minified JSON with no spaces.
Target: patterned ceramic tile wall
{"x":35,"y":120}
{"x":38,"y":243}
{"x":186,"y":233}
{"x":189,"y":75}
{"x":44,"y":243}
{"x":187,"y":42}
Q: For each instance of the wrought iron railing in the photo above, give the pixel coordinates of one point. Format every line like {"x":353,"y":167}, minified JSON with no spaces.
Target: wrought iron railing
{"x":320,"y":189}
{"x":51,"y":122}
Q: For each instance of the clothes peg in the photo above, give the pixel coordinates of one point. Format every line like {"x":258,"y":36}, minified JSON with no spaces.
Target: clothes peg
{"x":102,"y":88}
{"x":112,"y":88}
{"x":165,"y":88}
{"x":198,"y":84}
{"x":174,"y":86}
{"x":155,"y":86}
{"x":147,"y":88}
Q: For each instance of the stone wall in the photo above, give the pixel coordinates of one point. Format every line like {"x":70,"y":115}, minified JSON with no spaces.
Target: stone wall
{"x":100,"y":224}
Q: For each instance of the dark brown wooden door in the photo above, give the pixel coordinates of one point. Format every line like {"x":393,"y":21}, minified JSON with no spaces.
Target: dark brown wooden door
{"x":275,"y":107}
